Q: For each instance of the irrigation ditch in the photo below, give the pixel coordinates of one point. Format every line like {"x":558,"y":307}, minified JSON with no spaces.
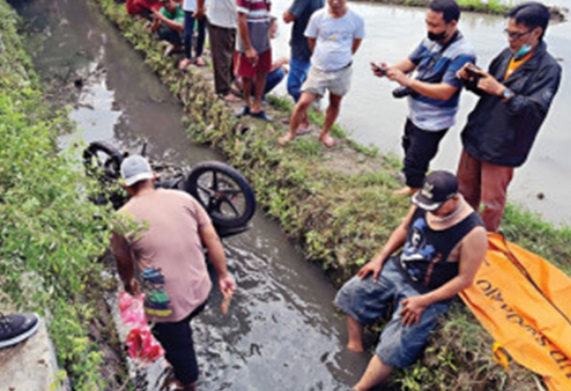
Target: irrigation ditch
{"x":336,"y":205}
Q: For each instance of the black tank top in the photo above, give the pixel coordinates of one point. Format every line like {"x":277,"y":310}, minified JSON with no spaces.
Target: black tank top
{"x":425,"y":254}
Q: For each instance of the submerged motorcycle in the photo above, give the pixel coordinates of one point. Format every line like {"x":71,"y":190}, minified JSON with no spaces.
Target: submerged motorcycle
{"x":223,"y":191}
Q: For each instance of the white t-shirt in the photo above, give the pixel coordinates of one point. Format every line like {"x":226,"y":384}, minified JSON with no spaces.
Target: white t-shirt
{"x":189,"y":5}
{"x":222,"y":13}
{"x":334,"y":38}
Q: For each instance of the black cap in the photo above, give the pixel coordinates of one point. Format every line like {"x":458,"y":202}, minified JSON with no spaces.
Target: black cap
{"x":437,"y":188}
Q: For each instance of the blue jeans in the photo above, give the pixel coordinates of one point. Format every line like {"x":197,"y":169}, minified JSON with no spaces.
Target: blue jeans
{"x":272,"y":80}
{"x":188,"y":32}
{"x":367,"y":300}
{"x":297,"y":74}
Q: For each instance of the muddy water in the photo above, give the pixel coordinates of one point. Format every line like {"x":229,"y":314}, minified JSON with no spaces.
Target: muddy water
{"x":373,"y":116}
{"x":281,"y":332}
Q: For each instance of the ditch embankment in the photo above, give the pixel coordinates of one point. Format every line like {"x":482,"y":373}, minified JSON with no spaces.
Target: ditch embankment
{"x":337,"y":205}
{"x":51,"y":235}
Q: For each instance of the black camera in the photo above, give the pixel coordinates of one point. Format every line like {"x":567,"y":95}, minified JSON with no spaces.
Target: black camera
{"x":401,"y":92}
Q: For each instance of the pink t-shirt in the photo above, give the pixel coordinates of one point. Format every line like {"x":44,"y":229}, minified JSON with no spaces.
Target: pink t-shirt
{"x":168,"y":253}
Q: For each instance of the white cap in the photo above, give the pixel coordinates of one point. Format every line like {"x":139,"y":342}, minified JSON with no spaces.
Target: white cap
{"x":134,"y":169}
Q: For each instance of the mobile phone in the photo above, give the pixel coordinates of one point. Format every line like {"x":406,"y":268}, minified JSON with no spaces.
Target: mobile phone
{"x":379,"y":69}
{"x":472,"y":71}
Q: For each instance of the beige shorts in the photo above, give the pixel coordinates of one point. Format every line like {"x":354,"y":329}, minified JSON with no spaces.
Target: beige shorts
{"x":337,"y":82}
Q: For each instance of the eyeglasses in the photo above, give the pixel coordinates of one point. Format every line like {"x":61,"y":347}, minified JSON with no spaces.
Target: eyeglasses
{"x":515,"y":35}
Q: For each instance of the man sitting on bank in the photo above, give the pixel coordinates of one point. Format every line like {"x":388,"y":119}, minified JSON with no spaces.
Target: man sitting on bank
{"x":443,"y":244}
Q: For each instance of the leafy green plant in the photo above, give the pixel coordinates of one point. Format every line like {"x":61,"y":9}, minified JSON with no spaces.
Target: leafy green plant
{"x":50,"y":233}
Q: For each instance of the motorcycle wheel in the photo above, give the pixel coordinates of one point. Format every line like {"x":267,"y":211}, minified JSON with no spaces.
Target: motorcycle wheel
{"x":102,"y":160}
{"x":224,"y":192}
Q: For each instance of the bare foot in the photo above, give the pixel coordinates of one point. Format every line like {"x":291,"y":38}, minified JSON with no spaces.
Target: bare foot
{"x":231,"y":98}
{"x":285,"y":139}
{"x":328,"y":141}
{"x":355,"y":347}
{"x":184,"y":64}
{"x":199,"y":62}
{"x":406,"y":191}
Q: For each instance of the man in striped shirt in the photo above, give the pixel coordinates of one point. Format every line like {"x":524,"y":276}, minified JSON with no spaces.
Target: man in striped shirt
{"x":434,"y":92}
{"x":254,"y":53}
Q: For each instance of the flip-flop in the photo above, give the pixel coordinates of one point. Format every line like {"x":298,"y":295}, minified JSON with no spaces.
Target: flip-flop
{"x":242,"y":111}
{"x":199,"y":62}
{"x":261,"y":115}
{"x":302,"y":131}
{"x":184,"y":64}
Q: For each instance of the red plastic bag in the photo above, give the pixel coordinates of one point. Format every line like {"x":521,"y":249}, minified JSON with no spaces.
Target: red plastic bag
{"x":141,"y":345}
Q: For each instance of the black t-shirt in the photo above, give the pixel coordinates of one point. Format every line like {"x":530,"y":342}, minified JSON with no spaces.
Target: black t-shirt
{"x":302,"y":10}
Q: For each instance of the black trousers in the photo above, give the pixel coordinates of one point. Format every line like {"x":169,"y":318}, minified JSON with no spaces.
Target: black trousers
{"x":165,"y":33}
{"x":420,"y":146}
{"x":176,"y":340}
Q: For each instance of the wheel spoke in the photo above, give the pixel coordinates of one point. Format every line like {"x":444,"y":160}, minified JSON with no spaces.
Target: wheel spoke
{"x":233,"y":207}
{"x":206,"y":190}
{"x":214,"y":180}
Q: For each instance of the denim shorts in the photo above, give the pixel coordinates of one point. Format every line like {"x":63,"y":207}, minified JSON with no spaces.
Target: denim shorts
{"x":367,"y":300}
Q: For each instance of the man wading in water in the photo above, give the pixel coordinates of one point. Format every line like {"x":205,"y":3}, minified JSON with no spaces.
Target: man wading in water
{"x":165,"y":260}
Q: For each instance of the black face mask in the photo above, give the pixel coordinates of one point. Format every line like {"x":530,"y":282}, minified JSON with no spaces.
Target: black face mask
{"x":437,"y":37}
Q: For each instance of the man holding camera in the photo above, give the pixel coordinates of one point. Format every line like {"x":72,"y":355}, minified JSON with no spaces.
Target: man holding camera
{"x":516,"y":94}
{"x":434,"y":93}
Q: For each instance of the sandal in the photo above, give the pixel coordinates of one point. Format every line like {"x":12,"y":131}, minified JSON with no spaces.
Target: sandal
{"x":261,"y":115}
{"x":242,"y":111}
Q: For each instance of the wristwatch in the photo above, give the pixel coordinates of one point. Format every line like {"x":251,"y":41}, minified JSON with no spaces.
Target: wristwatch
{"x":507,"y":94}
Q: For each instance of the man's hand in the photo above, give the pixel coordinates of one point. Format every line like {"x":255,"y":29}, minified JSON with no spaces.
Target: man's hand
{"x":462,"y":73}
{"x":288,"y":17}
{"x":199,"y":13}
{"x":489,"y":85}
{"x":399,"y":76}
{"x":132,"y":287}
{"x":414,"y":306}
{"x":379,"y":69}
{"x":252,"y":55}
{"x":372,"y":267}
{"x":227,"y":287}
{"x":158,"y":15}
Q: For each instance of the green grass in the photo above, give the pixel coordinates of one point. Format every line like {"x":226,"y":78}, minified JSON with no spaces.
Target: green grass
{"x":49,"y":236}
{"x":338,"y":206}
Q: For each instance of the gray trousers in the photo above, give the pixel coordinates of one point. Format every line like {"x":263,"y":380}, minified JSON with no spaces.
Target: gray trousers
{"x":222,"y":43}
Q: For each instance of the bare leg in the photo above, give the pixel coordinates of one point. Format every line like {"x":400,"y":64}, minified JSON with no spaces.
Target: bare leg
{"x":377,"y":372}
{"x":259,"y":85}
{"x":355,"y":331}
{"x":247,"y":90}
{"x":297,"y":116}
{"x":330,"y":117}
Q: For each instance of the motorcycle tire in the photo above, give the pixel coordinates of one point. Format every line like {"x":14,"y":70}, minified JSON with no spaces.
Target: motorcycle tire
{"x":102,"y":155}
{"x":224,"y":192}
